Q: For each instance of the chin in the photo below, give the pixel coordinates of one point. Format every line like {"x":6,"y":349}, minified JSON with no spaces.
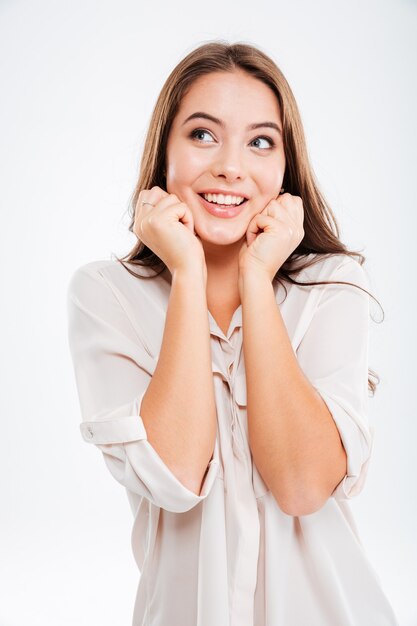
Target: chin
{"x":222,"y":234}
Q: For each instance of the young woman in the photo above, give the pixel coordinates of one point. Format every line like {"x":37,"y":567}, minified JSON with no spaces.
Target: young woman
{"x":228,"y":392}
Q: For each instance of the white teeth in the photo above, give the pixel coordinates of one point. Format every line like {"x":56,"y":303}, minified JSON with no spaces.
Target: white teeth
{"x":220,"y":198}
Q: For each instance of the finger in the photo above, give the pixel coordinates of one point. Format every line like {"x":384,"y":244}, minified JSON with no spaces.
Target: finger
{"x":260,"y":222}
{"x":167,"y":201}
{"x":153,"y":196}
{"x":164,"y":203}
{"x":291,"y":212}
{"x":145,"y":204}
{"x":257,"y":223}
{"x":167,"y":209}
{"x":179,"y":210}
{"x":273,"y":208}
{"x":150,"y":200}
{"x":293,"y":204}
{"x":184,"y":215}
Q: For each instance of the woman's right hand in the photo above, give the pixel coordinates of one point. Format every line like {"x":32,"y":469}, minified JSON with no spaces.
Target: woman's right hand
{"x":167,"y":228}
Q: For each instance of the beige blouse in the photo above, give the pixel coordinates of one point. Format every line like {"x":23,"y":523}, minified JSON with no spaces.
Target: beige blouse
{"x":230,"y":556}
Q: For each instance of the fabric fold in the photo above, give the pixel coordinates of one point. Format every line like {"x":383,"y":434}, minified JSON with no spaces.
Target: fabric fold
{"x":229,"y":554}
{"x":113,"y":371}
{"x":333,"y":354}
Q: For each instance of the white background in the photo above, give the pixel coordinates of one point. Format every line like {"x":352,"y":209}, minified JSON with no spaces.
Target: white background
{"x":79,"y":80}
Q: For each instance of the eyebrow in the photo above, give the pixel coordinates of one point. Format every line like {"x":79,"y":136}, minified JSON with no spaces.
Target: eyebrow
{"x":207,"y":116}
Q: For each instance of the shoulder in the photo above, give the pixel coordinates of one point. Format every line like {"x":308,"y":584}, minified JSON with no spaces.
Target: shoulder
{"x":108,"y":284}
{"x":88,"y":277}
{"x":96,"y":290}
{"x":108,"y":270}
{"x":334,"y":267}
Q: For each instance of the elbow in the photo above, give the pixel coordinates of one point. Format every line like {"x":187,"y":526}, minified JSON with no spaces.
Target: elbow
{"x":195,"y":486}
{"x":306,"y":502}
{"x":314,"y":493}
{"x":192,"y":482}
{"x":301,"y":508}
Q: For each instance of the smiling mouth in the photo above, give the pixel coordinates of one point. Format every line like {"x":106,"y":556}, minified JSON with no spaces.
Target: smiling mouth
{"x":223,"y":206}
{"x":223,"y":211}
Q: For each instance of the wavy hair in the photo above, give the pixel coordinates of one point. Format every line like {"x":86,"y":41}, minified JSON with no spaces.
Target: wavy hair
{"x":321,"y":231}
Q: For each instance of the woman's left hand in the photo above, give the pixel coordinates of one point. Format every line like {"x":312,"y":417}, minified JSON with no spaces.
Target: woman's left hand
{"x":281,"y":226}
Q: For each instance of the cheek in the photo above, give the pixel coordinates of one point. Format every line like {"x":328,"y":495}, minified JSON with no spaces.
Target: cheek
{"x":271,"y":184}
{"x":184,"y":165}
{"x":271,"y":181}
{"x":173,"y":168}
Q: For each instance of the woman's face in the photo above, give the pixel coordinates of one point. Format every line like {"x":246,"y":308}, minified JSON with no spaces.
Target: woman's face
{"x":225,"y":154}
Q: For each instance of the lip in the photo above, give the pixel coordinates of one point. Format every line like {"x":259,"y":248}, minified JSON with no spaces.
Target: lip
{"x":222,"y":210}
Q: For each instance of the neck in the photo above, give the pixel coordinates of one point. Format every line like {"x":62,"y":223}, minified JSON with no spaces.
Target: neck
{"x":222,"y":259}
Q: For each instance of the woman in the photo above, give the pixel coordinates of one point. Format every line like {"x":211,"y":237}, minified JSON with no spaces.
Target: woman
{"x":228,"y":397}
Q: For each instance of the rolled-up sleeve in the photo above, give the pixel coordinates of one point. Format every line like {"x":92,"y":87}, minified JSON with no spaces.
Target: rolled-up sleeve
{"x":334,"y":356}
{"x":112,"y":372}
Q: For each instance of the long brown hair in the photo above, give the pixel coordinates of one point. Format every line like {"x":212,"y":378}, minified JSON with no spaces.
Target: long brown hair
{"x":321,"y":231}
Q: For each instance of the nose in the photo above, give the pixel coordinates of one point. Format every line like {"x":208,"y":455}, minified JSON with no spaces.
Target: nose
{"x":228,"y":162}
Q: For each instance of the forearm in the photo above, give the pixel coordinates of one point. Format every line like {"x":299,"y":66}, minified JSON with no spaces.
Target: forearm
{"x":178,"y":408}
{"x":293,"y":438}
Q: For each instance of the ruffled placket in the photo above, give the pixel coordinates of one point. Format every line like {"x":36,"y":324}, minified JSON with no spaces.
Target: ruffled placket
{"x":242,"y":519}
{"x":231,"y":348}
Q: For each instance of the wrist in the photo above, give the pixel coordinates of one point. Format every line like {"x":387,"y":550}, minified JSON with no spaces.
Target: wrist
{"x":196,"y":272}
{"x":253,"y":275}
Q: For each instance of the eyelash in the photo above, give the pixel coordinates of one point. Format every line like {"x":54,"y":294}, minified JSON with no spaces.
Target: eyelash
{"x":194,"y":133}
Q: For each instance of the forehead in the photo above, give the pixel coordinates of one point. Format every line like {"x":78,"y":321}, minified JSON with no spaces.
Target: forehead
{"x":231,"y":95}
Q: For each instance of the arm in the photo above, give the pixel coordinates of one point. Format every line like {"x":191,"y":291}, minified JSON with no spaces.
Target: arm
{"x":294,"y":434}
{"x":114,"y":372}
{"x":178,"y":408}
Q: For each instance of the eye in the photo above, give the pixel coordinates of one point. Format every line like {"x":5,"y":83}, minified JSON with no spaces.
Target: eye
{"x":268,"y":139}
{"x":200,"y":131}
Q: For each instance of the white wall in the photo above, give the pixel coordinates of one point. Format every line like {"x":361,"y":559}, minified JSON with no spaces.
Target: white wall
{"x":79,"y":80}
